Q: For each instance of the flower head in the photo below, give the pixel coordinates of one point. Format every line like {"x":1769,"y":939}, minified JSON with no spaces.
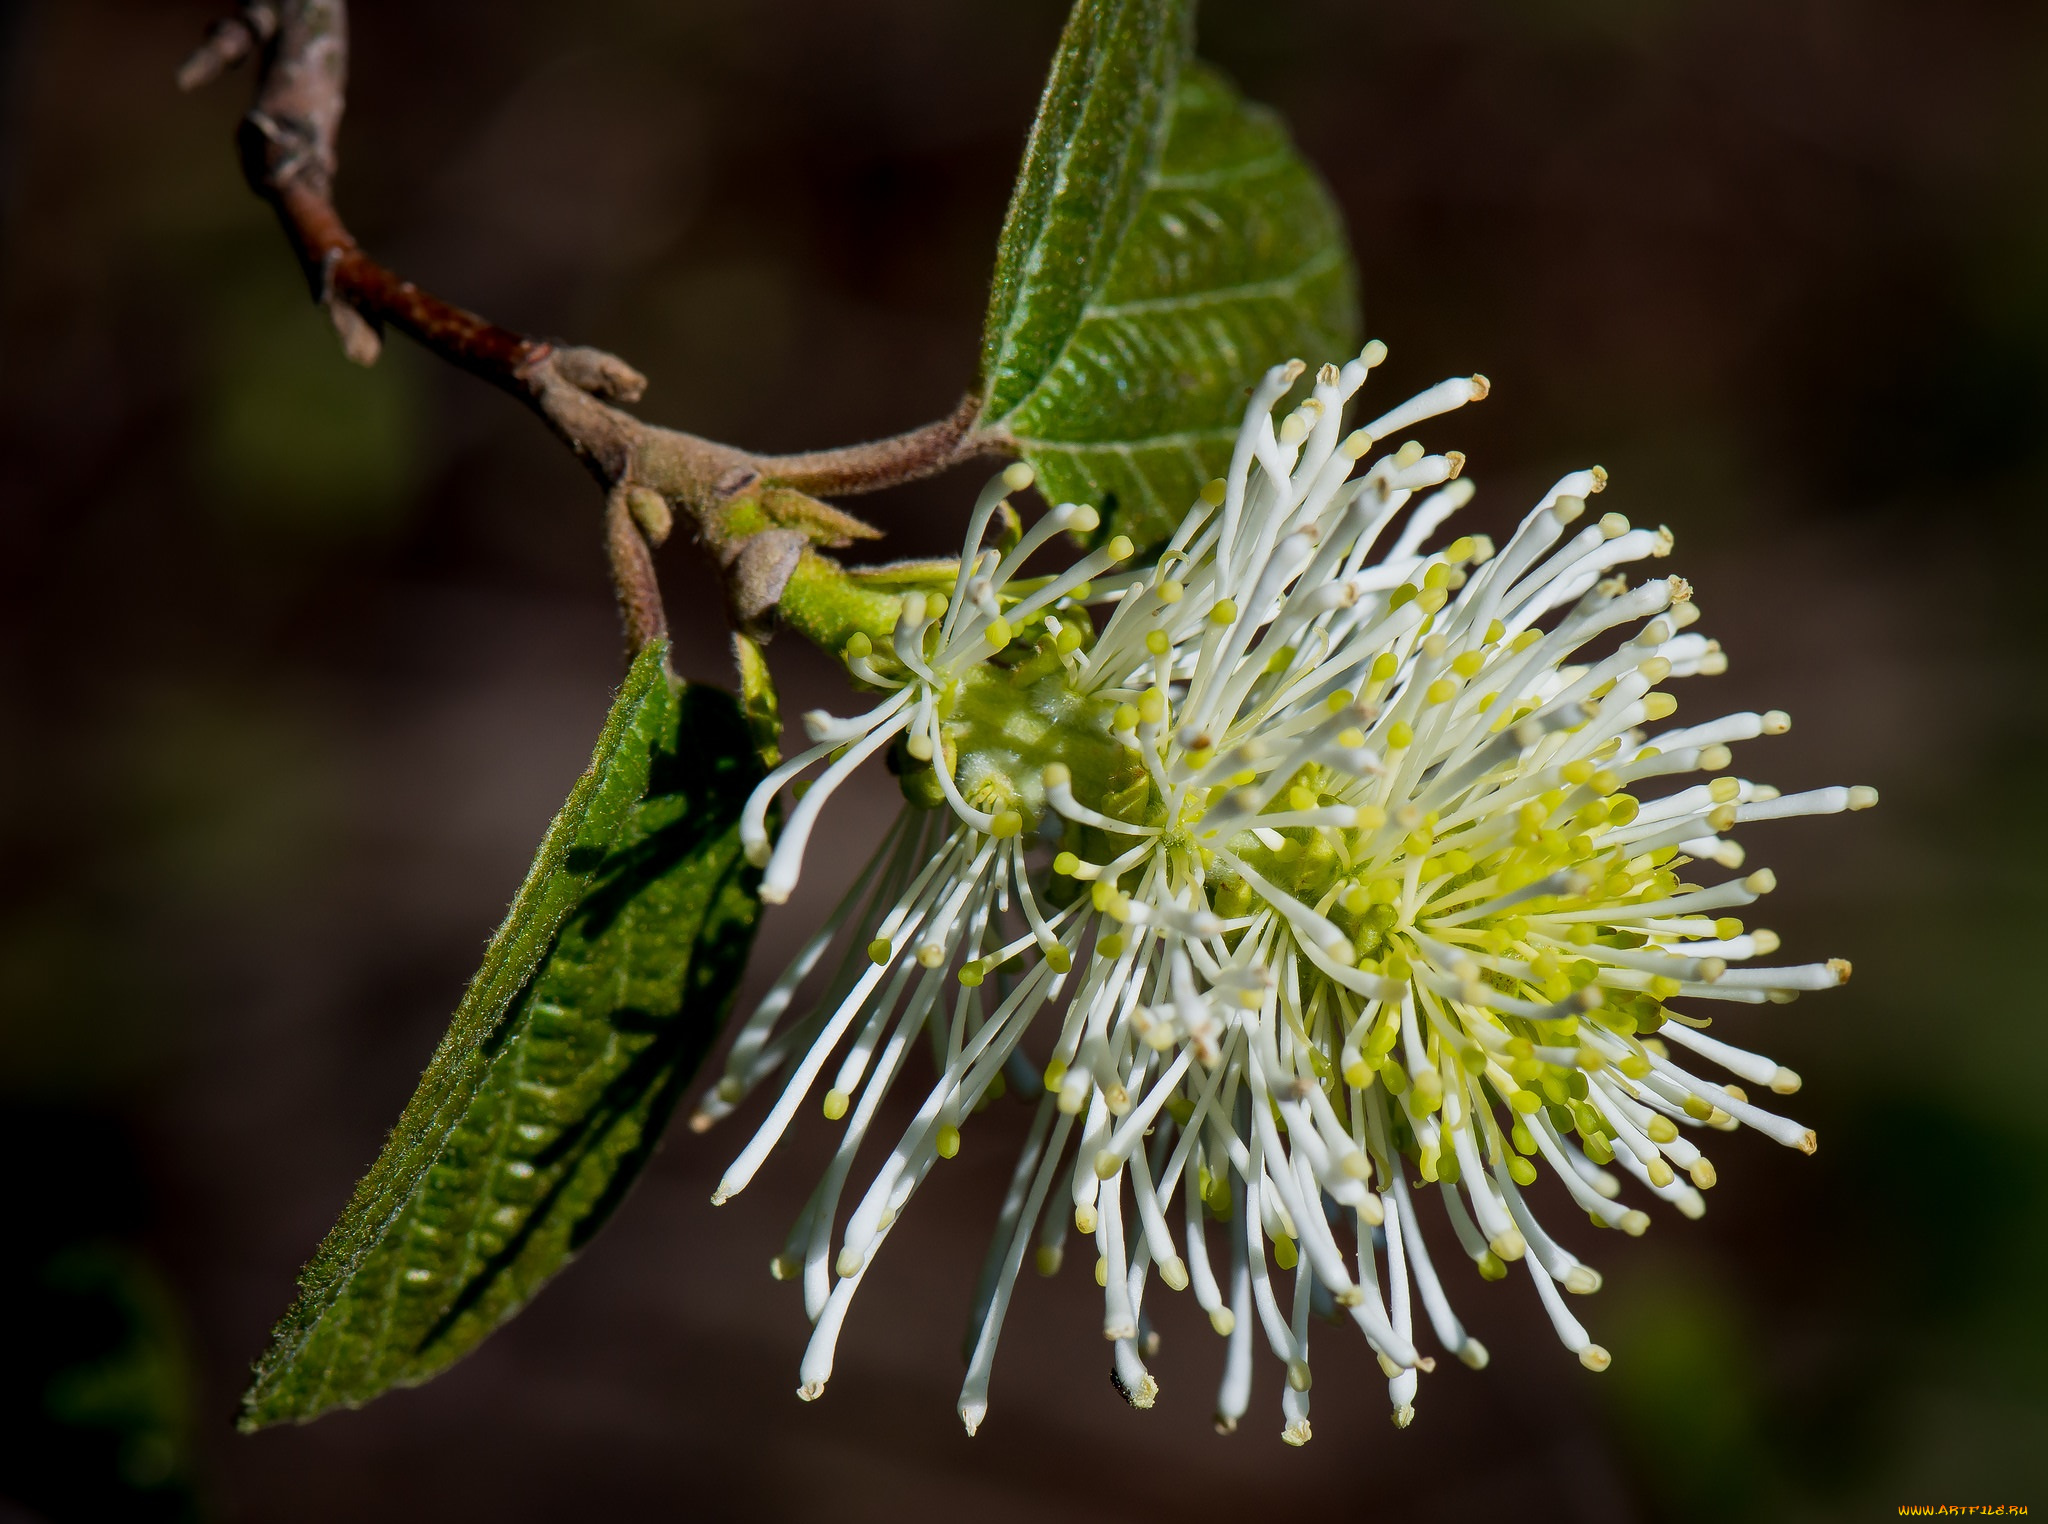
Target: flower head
{"x":1322,"y":872}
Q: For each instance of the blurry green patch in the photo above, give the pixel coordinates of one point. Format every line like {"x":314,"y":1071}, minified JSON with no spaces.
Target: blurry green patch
{"x":96,"y":1386}
{"x":134,"y":1388}
{"x":292,"y":439}
{"x":1682,"y":1393}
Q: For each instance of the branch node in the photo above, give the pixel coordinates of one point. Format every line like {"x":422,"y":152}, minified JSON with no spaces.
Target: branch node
{"x":760,"y":571}
{"x":228,"y":42}
{"x":651,"y":512}
{"x":736,"y":481}
{"x":600,"y":374}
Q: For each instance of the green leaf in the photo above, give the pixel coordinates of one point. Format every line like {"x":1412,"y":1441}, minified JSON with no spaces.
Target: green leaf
{"x":1165,"y":245}
{"x":596,"y":1001}
{"x":1101,"y":125}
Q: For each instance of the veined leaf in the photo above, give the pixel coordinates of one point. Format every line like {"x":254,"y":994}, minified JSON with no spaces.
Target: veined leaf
{"x":596,"y":1001}
{"x":1133,"y":308}
{"x":1101,"y":126}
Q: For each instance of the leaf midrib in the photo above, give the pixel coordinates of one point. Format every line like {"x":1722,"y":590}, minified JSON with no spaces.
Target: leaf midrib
{"x":1162,"y":132}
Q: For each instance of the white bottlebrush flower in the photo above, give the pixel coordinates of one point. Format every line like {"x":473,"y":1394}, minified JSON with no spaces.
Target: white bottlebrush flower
{"x":1315,"y":864}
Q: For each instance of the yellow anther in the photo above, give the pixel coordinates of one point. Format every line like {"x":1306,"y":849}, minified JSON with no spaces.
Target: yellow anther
{"x":1120,"y":548}
{"x":1442,"y":691}
{"x":880,"y":950}
{"x":1007,"y":823}
{"x":1399,"y":734}
{"x":1152,"y":706}
{"x":836,"y":1102}
{"x":1659,"y":706}
{"x":1157,"y":642}
{"x":1301,"y":798}
{"x":1214,"y":491}
{"x":1170,"y":591}
{"x":1225,"y":612}
{"x":998,"y":633}
{"x":1468,"y":663}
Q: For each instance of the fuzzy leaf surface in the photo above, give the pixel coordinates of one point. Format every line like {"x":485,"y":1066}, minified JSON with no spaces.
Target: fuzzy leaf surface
{"x":1140,"y":292}
{"x":597,"y":999}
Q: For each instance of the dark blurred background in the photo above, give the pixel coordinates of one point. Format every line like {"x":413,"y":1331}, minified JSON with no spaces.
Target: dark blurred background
{"x":297,"y":660}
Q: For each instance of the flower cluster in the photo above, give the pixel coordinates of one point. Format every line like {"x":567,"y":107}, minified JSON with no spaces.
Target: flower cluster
{"x":1331,"y":873}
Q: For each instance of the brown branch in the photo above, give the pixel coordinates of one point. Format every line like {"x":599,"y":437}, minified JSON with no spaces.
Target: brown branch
{"x":886,"y":462}
{"x":287,"y":142}
{"x":633,"y":576}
